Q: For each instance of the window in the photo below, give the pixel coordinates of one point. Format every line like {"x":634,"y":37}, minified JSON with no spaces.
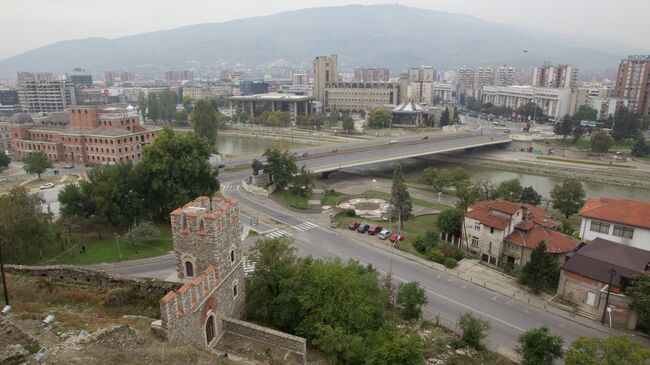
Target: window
{"x":475,"y":241}
{"x":622,"y":231}
{"x":490,"y":247}
{"x":493,"y":260}
{"x":209,"y":329}
{"x":189,"y":269}
{"x":234,"y":291}
{"x":477,"y":226}
{"x":232,"y":256}
{"x":599,"y":227}
{"x":491,"y":229}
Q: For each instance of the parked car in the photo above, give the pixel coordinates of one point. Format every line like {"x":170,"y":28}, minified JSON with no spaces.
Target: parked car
{"x":221,"y":165}
{"x":353,"y":225}
{"x":425,"y":137}
{"x":46,"y":186}
{"x":373,"y":230}
{"x":363,"y":228}
{"x":507,"y":131}
{"x":334,"y":150}
{"x":303,"y":154}
{"x":394,"y":237}
{"x":68,"y":166}
{"x":383,"y":234}
{"x":393,"y":141}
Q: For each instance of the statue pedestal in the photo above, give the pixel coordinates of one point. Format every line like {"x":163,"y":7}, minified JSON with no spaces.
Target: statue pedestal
{"x":261,"y":180}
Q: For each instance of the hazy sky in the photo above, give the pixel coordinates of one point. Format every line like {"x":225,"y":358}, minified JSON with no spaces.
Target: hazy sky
{"x":27,"y":24}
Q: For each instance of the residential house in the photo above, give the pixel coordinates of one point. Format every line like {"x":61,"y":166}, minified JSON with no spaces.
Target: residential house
{"x":502,"y":230}
{"x":620,"y":220}
{"x":587,"y":273}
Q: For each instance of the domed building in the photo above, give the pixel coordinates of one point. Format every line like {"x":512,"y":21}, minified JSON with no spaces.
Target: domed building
{"x":411,"y":114}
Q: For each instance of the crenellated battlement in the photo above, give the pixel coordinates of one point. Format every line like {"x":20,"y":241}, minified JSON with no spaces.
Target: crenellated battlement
{"x":197,"y":215}
{"x":189,"y":297}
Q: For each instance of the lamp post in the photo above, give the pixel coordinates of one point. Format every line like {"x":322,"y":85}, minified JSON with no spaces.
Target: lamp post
{"x":4,"y":280}
{"x":612,"y":273}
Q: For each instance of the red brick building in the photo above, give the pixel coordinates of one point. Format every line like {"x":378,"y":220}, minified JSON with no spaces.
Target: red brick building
{"x":93,"y":135}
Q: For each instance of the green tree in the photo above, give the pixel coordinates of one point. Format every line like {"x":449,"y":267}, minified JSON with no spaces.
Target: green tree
{"x":188,"y":104}
{"x":390,"y":346}
{"x":411,"y":297}
{"x":601,"y":142}
{"x":626,"y":124}
{"x":347,"y":124}
{"x":175,"y":169}
{"x":204,"y":121}
{"x":569,"y":197}
{"x":530,"y":110}
{"x":450,"y":221}
{"x":167,"y":102}
{"x":142,"y":105}
{"x":141,"y":232}
{"x":564,"y":127}
{"x":4,"y":160}
{"x":380,"y":118}
{"x":615,"y":350}
{"x":467,"y":194}
{"x":153,"y":107}
{"x":474,"y":330}
{"x":510,"y":190}
{"x":530,"y":196}
{"x":585,"y":112}
{"x":36,"y":163}
{"x":303,"y":183}
{"x":444,"y":118}
{"x":541,"y":272}
{"x":577,"y":133}
{"x":281,"y":164}
{"x":540,"y":347}
{"x":24,"y":228}
{"x":639,"y":291}
{"x":400,"y":198}
{"x":243,"y":117}
{"x":640,"y":148}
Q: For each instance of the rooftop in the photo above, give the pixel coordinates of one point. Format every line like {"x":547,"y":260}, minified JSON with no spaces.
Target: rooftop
{"x":271,"y":97}
{"x":624,"y":211}
{"x":531,"y":235}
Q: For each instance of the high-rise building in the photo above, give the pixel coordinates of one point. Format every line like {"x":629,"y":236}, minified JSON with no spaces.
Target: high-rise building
{"x":9,"y":103}
{"x":186,"y":75}
{"x":465,"y":80}
{"x":560,"y":76}
{"x":325,"y":71}
{"x":422,"y":74}
{"x":127,"y":76}
{"x":172,"y":76}
{"x":80,"y":77}
{"x":504,"y":76}
{"x":633,"y":82}
{"x":42,"y":92}
{"x":300,"y":79}
{"x":372,"y":74}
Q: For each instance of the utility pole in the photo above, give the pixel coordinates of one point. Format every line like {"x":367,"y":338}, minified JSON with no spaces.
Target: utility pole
{"x":4,"y":280}
{"x":612,"y":273}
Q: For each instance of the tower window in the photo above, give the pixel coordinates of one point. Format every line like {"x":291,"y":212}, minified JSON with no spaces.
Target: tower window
{"x":234,"y":291}
{"x":189,"y":269}
{"x":232,"y":256}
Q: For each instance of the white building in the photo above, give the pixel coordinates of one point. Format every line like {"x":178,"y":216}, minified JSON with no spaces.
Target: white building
{"x":422,"y":74}
{"x":555,"y":103}
{"x":619,"y":220}
{"x":42,"y":92}
{"x":430,"y":93}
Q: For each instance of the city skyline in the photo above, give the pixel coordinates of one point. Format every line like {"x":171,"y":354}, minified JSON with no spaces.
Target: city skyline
{"x":34,"y":30}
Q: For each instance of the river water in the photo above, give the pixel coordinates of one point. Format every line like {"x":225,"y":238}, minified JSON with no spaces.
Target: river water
{"x":232,"y":145}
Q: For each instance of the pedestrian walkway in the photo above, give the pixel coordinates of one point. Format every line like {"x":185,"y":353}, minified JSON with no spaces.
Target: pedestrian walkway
{"x":277,"y":233}
{"x":230,"y":187}
{"x":305,"y":226}
{"x":249,"y":266}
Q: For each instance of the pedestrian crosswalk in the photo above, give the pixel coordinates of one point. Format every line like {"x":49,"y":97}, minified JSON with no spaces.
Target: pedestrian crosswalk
{"x":230,"y":187}
{"x":305,"y":226}
{"x":249,"y":266}
{"x":277,"y":233}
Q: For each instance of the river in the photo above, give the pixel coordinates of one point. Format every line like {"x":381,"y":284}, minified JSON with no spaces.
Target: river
{"x":234,"y":145}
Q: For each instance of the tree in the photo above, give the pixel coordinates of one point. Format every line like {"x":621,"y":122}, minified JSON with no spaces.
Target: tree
{"x":577,"y":133}
{"x":640,"y":148}
{"x":450,"y":222}
{"x":510,"y":190}
{"x":204,"y":121}
{"x":467,"y":194}
{"x":281,"y":164}
{"x":601,"y":142}
{"x":141,"y":232}
{"x":153,"y":107}
{"x":445,"y":178}
{"x":615,"y":350}
{"x":187,"y":104}
{"x":626,"y":124}
{"x":639,"y":291}
{"x":530,"y":196}
{"x":474,"y":330}
{"x":585,"y":112}
{"x":176,"y":169}
{"x":37,"y":163}
{"x":400,"y":199}
{"x":541,"y":272}
{"x":380,"y":118}
{"x":569,"y":197}
{"x":411,"y":297}
{"x":243,"y":117}
{"x":142,"y":105}
{"x":167,"y":103}
{"x":347,"y":124}
{"x":303,"y":183}
{"x":389,"y":346}
{"x":564,"y":127}
{"x":4,"y":160}
{"x":445,"y":118}
{"x":540,"y":347}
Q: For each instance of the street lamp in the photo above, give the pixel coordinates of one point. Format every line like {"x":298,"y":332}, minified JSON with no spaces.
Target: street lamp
{"x":4,"y":280}
{"x":612,"y":273}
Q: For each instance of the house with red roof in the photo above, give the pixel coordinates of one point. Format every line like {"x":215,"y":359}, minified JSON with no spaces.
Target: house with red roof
{"x":499,"y":230}
{"x":623,"y":221}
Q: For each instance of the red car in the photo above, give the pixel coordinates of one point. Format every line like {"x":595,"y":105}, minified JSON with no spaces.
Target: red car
{"x":353,"y":225}
{"x":373,"y":230}
{"x":394,"y":237}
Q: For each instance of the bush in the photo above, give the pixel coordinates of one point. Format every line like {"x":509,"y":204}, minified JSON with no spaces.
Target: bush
{"x":452,"y":251}
{"x":474,"y":330}
{"x":450,"y":262}
{"x":426,"y":243}
{"x":436,"y":255}
{"x":350,"y":212}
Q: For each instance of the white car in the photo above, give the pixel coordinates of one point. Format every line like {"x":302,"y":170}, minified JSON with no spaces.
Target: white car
{"x":393,"y":141}
{"x":384,"y":234}
{"x":46,"y":186}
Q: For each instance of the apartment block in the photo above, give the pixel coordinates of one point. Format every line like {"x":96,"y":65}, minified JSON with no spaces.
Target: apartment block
{"x":372,"y":74}
{"x":559,"y":76}
{"x":42,"y":92}
{"x":633,"y":82}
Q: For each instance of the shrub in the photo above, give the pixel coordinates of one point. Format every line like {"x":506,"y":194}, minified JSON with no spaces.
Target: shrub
{"x":436,"y":255}
{"x":426,"y":243}
{"x":453,"y":252}
{"x":474,"y":330}
{"x":350,"y":212}
{"x":450,"y":262}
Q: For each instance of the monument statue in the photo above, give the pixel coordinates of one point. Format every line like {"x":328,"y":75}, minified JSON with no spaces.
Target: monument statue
{"x":256,"y":165}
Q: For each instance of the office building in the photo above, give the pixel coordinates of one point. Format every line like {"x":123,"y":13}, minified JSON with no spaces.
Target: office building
{"x":633,"y":83}
{"x":555,"y":103}
{"x":255,"y":105}
{"x":325,"y":71}
{"x":300,"y":79}
{"x":81,"y":78}
{"x":9,"y":103}
{"x":362,"y":96}
{"x":42,"y":92}
{"x":422,"y":74}
{"x":372,"y":74}
{"x":560,"y":76}
{"x":248,"y":87}
{"x":430,"y":93}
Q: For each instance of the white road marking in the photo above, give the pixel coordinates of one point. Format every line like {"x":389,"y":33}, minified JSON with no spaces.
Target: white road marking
{"x":305,"y":226}
{"x":277,"y":233}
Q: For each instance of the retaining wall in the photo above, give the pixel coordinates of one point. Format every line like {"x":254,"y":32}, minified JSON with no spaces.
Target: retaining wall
{"x":295,"y":344}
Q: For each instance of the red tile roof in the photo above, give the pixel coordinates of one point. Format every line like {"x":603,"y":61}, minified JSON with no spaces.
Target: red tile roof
{"x":623,"y":211}
{"x":505,"y":206}
{"x":485,"y":217}
{"x":556,"y":242}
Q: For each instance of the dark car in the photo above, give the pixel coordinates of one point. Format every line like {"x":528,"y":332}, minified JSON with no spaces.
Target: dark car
{"x":373,"y":230}
{"x":363,"y":228}
{"x":425,"y":137}
{"x":353,"y":225}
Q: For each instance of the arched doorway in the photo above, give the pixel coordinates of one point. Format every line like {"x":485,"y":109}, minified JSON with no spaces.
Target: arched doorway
{"x":189,"y":269}
{"x":209,"y":329}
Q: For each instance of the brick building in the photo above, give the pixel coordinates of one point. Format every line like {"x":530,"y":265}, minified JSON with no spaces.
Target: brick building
{"x":85,"y":134}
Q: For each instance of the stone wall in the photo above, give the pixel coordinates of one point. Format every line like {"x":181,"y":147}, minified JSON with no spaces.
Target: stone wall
{"x":73,"y":275}
{"x":295,"y":344}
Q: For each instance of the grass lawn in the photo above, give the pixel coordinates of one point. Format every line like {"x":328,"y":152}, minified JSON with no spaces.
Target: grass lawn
{"x":420,"y":202}
{"x":106,"y":250}
{"x":334,"y":198}
{"x":294,"y":201}
{"x":585,"y":162}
